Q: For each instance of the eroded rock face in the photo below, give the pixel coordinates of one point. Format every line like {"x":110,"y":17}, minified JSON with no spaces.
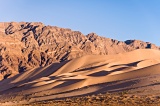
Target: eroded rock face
{"x":25,"y":45}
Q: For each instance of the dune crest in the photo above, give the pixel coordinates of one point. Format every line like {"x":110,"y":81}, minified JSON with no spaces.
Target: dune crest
{"x":135,"y":70}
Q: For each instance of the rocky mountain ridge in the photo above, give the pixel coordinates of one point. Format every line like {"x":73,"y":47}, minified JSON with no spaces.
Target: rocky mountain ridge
{"x":28,"y":45}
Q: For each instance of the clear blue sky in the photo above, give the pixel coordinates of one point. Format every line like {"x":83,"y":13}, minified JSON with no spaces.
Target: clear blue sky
{"x":117,"y":19}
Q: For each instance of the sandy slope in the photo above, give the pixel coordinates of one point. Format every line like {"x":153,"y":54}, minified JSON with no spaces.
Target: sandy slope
{"x":135,"y":71}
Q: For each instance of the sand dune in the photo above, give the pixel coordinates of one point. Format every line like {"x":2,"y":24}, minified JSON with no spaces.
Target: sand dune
{"x":134,"y":71}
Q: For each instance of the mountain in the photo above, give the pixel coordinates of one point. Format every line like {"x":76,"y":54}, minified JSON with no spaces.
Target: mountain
{"x":25,"y":46}
{"x":40,"y":63}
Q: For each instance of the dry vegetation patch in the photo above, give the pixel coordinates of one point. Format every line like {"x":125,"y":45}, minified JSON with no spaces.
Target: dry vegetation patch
{"x":116,"y":99}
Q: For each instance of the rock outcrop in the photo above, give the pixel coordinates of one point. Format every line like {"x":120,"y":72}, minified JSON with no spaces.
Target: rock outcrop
{"x":27,"y":45}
